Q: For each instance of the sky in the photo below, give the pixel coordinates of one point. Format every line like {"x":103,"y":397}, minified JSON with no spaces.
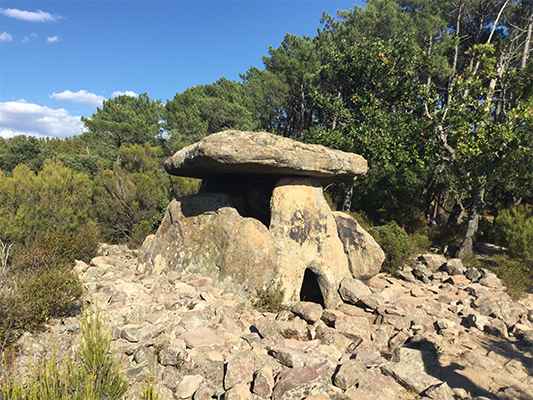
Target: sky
{"x":60,"y":59}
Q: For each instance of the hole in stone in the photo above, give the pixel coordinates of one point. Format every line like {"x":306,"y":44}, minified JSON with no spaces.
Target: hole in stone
{"x":310,"y":289}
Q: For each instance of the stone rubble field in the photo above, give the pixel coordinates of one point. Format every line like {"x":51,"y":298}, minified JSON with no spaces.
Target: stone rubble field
{"x":450,"y":333}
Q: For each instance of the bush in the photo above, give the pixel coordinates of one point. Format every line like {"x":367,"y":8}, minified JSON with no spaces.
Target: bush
{"x":48,"y":294}
{"x":515,"y":274}
{"x":270,"y":299}
{"x":41,"y":285}
{"x":55,"y":200}
{"x":93,"y":374}
{"x":514,"y":230}
{"x":397,"y":245}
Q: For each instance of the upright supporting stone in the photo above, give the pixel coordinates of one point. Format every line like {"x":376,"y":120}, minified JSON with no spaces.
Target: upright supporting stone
{"x":204,"y":234}
{"x":306,"y":238}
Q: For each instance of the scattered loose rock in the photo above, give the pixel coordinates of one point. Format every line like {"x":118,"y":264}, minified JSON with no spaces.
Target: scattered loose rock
{"x":418,"y":341}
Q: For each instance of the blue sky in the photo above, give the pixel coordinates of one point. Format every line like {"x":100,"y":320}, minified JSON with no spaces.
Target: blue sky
{"x":60,"y":59}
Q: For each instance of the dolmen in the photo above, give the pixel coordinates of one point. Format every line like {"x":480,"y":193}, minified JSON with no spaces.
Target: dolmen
{"x":260,"y":219}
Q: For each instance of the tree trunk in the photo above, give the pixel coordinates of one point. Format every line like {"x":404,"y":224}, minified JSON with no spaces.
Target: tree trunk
{"x":529,"y":34}
{"x":301,"y":124}
{"x":473,"y":221}
{"x":348,"y":194}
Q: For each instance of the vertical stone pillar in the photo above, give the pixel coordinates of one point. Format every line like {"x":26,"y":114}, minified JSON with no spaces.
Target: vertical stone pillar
{"x":305,"y":234}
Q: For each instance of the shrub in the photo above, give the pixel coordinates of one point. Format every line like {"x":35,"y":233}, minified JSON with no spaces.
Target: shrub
{"x":514,"y":229}
{"x":270,"y":299}
{"x":92,"y":374}
{"x":40,"y":284}
{"x":55,"y":199}
{"x":148,"y":392}
{"x":516,"y":274}
{"x":48,"y":294}
{"x":397,"y":245}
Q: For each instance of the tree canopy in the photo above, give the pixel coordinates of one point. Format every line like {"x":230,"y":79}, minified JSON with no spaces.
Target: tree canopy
{"x":436,"y":95}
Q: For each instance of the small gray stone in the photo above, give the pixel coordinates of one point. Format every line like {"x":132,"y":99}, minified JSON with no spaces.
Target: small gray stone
{"x":433,"y":261}
{"x":440,"y":392}
{"x":454,"y":267}
{"x":172,"y":356}
{"x":297,"y":383}
{"x":188,"y":386}
{"x":407,"y":275}
{"x":492,"y":281}
{"x":350,"y":373}
{"x":409,"y":377}
{"x":263,"y":382}
{"x":460,"y":393}
{"x":478,"y":321}
{"x":373,"y":301}
{"x":473,"y":274}
{"x":203,"y":393}
{"x":354,"y":328}
{"x":203,"y":337}
{"x":351,"y":290}
{"x":240,"y":369}
{"x":145,"y":355}
{"x":309,"y":311}
{"x":293,"y":358}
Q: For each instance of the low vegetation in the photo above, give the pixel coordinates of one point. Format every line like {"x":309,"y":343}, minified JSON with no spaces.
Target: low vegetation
{"x":270,"y":299}
{"x":399,"y":247}
{"x":92,"y":374}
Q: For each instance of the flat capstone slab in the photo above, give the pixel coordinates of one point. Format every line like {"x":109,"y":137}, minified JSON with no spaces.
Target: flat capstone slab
{"x":261,"y":153}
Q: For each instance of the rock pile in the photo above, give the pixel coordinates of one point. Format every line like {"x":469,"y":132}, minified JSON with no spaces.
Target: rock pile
{"x":439,"y":332}
{"x":261,"y":218}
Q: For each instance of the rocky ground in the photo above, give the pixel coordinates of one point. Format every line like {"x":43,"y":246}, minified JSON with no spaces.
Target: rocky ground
{"x":439,"y":332}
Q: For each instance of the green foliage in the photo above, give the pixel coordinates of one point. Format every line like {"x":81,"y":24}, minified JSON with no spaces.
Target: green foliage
{"x":293,"y":67}
{"x":126,"y":197}
{"x":93,"y":374}
{"x":82,"y":163}
{"x":397,"y":245}
{"x":206,"y":109}
{"x":126,"y":120}
{"x":446,"y":235}
{"x":40,"y":284}
{"x":148,"y":392}
{"x":514,"y":230}
{"x":55,"y":199}
{"x":270,"y":299}
{"x":162,"y":204}
{"x":47,"y":293}
{"x":23,"y":150}
{"x":268,"y":94}
{"x":516,"y":274}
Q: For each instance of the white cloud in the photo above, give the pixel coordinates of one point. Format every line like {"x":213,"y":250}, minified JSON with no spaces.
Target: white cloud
{"x":21,"y":118}
{"x":52,"y":39}
{"x":127,"y":93}
{"x":38,"y":16}
{"x":82,"y":97}
{"x":5,"y":37}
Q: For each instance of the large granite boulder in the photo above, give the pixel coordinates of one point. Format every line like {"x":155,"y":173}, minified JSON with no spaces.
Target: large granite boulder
{"x":261,"y":218}
{"x":262,"y":153}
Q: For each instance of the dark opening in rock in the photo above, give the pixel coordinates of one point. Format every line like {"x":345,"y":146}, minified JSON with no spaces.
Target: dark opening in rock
{"x":250,"y":195}
{"x":310,"y":289}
